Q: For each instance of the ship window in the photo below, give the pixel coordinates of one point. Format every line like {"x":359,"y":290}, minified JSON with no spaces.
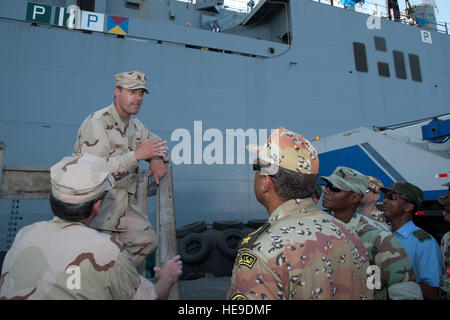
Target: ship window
{"x":399,"y":63}
{"x":380,"y":44}
{"x":359,"y":51}
{"x":86,"y":5}
{"x":383,"y":69}
{"x":414,"y":64}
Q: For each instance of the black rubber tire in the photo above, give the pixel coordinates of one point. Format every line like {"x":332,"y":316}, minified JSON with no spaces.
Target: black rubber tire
{"x":194,"y":248}
{"x":256,"y":223}
{"x":223,"y":225}
{"x":198,"y":227}
{"x":228,"y":242}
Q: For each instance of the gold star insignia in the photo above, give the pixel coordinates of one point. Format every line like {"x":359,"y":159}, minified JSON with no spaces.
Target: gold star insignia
{"x":246,"y":240}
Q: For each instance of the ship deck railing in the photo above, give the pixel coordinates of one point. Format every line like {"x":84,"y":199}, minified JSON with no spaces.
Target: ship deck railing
{"x":375,"y":9}
{"x":369,"y":8}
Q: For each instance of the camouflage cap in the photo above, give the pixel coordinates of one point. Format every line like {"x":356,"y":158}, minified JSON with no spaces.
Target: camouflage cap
{"x":79,"y":179}
{"x":288,"y":150}
{"x":374,"y":184}
{"x":317,"y":190}
{"x":348,"y":179}
{"x":131,"y":80}
{"x":414,"y":193}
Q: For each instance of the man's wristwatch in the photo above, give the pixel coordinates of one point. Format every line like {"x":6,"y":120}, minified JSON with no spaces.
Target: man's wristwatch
{"x":159,"y":158}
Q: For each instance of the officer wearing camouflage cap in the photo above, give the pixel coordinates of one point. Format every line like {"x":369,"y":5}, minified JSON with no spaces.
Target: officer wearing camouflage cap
{"x":368,"y":203}
{"x":300,"y":252}
{"x":114,"y":134}
{"x":343,"y":193}
{"x":401,"y":201}
{"x":65,"y":259}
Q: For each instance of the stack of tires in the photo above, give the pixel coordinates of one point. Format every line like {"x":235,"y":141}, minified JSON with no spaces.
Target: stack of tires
{"x":211,"y":249}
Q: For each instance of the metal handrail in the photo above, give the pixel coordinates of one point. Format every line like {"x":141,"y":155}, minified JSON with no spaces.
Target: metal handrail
{"x":441,"y":27}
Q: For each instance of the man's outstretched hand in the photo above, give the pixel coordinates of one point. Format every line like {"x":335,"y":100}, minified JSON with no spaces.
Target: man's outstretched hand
{"x":167,"y":276}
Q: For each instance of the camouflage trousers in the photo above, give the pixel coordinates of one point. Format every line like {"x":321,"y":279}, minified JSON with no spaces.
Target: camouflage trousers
{"x":138,"y":238}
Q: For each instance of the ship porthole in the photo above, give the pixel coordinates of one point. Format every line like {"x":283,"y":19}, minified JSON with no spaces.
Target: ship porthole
{"x":271,"y":50}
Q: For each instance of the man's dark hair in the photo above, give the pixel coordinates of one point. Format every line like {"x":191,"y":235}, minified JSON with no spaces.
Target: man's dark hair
{"x":73,"y":212}
{"x":292,"y":185}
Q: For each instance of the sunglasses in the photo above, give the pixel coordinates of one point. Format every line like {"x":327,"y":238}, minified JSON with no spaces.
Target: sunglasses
{"x":332,"y":188}
{"x":258,"y":167}
{"x":395,"y":196}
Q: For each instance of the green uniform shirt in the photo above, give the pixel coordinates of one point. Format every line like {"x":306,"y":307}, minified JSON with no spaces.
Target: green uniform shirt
{"x":384,"y":250}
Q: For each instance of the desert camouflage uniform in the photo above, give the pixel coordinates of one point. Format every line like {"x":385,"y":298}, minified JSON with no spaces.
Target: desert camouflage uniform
{"x":38,"y":265}
{"x":106,"y":135}
{"x":444,"y":284}
{"x":300,"y":253}
{"x":385,"y":251}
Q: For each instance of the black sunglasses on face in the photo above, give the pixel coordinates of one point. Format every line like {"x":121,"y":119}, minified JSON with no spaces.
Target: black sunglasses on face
{"x":395,"y":196}
{"x":332,"y":188}
{"x":258,"y":167}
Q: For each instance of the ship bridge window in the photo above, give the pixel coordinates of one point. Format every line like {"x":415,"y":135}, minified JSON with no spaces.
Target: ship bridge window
{"x":86,"y":5}
{"x":359,"y":50}
{"x":414,"y":64}
{"x":399,"y":63}
{"x":383,"y":69}
{"x":132,"y":4}
{"x":380,"y":44}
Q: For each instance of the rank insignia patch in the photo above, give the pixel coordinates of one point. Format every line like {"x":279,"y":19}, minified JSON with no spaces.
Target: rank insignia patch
{"x":246,"y":259}
{"x":239,"y":297}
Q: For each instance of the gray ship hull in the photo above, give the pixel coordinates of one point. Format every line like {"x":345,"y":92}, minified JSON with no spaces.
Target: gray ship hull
{"x":53,"y":78}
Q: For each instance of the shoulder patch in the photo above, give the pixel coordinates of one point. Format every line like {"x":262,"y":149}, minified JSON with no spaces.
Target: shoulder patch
{"x":239,"y":297}
{"x":249,"y":240}
{"x":247,"y":259}
{"x":421,"y":235}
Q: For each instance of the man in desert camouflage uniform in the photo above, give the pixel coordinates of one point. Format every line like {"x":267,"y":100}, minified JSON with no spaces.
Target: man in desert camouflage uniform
{"x":401,"y":202}
{"x":345,"y":189}
{"x":368,"y":203}
{"x":65,"y":259}
{"x":113,"y":134}
{"x":444,"y":284}
{"x":301,"y":252}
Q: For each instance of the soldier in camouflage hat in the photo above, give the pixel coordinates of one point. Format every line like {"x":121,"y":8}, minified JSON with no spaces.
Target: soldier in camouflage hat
{"x":114,"y":134}
{"x":444,"y":284}
{"x":401,"y":201}
{"x":343,"y":193}
{"x":368,"y":203}
{"x":300,"y":252}
{"x":65,"y":259}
